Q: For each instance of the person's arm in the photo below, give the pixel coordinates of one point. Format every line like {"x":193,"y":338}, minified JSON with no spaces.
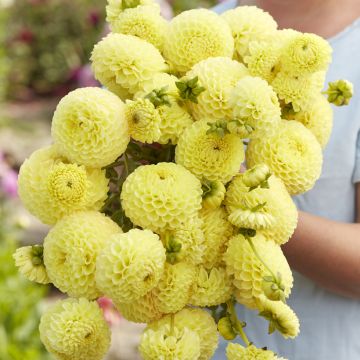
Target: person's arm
{"x":328,"y":252}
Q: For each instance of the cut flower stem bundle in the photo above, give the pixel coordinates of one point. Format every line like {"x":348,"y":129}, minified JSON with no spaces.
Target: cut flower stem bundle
{"x":143,"y":189}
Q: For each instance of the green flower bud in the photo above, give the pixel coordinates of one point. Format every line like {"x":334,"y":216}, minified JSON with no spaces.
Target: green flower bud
{"x":225,"y":329}
{"x":190,"y":89}
{"x":213,"y":194}
{"x":256,"y":176}
{"x":340,"y":92}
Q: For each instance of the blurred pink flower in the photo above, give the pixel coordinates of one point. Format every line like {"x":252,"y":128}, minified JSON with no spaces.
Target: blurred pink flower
{"x":111,"y":315}
{"x":8,"y":178}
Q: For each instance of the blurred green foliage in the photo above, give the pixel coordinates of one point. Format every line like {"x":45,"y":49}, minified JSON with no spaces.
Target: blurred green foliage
{"x":48,"y":41}
{"x":182,"y":5}
{"x":19,"y":304}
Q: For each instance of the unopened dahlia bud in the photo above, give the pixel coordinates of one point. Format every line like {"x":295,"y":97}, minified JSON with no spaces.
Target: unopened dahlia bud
{"x":225,"y":329}
{"x":213,"y":194}
{"x":75,"y":329}
{"x":256,"y":176}
{"x":340,"y":92}
{"x":29,"y":260}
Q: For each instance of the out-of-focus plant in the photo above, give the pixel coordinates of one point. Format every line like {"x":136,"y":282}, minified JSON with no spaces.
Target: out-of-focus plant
{"x":3,"y":59}
{"x":48,"y":42}
{"x":182,"y":5}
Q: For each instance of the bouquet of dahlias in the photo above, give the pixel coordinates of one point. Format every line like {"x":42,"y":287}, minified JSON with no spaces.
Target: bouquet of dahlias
{"x":143,"y":185}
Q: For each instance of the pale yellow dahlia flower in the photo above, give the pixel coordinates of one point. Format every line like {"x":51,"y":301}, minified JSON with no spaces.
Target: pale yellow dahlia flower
{"x":199,"y":321}
{"x":218,"y":76}
{"x":255,"y":103}
{"x":306,"y":54}
{"x":75,"y":330}
{"x":50,"y":187}
{"x":130,"y":265}
{"x":280,"y":316}
{"x":145,"y":22}
{"x":208,"y":155}
{"x":71,"y":249}
{"x":29,"y":260}
{"x":292,"y":153}
{"x":144,"y":120}
{"x":196,"y":35}
{"x":89,"y":127}
{"x":122,"y":62}
{"x":248,"y":23}
{"x":211,"y":287}
{"x":217,"y":231}
{"x":170,"y":344}
{"x":249,"y":272}
{"x":238,"y":352}
{"x":317,"y":117}
{"x":161,"y":197}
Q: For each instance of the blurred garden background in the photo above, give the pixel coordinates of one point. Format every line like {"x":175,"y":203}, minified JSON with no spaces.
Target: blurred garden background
{"x":44,"y":50}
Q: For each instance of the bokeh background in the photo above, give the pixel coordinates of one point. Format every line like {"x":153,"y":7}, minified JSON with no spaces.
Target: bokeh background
{"x":44,"y":52}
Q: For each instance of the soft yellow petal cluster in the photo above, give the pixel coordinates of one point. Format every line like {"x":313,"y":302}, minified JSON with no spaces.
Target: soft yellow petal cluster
{"x":208,"y":155}
{"x":199,"y":321}
{"x":89,"y":127}
{"x":29,"y":260}
{"x":277,"y":204}
{"x":238,"y":352}
{"x":145,"y":22}
{"x":248,"y":23}
{"x":213,"y":194}
{"x":71,"y":249}
{"x":51,"y":188}
{"x":255,"y":102}
{"x":142,"y":310}
{"x":173,"y":290}
{"x":211,"y":287}
{"x":170,"y":344}
{"x":196,"y":35}
{"x":306,"y":54}
{"x":75,"y":330}
{"x":190,"y":236}
{"x":122,"y":62}
{"x":249,"y":271}
{"x":115,"y":7}
{"x":292,"y":153}
{"x":217,"y":231}
{"x":143,"y":120}
{"x":281,"y":316}
{"x":317,"y":117}
{"x":130,"y":265}
{"x":161,"y":197}
{"x":218,"y":75}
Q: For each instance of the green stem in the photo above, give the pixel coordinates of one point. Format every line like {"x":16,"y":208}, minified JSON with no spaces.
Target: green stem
{"x":237,"y":325}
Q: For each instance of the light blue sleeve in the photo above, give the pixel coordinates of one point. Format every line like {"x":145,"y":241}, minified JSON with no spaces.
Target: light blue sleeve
{"x":356,"y":176}
{"x":224,"y":6}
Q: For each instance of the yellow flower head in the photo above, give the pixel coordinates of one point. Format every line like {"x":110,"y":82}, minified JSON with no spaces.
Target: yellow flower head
{"x":211,"y":287}
{"x":170,"y":344}
{"x":218,"y":76}
{"x":75,"y":330}
{"x":248,"y":23}
{"x":173,"y":290}
{"x":250,"y":274}
{"x":199,"y":321}
{"x":238,"y":352}
{"x":51,"y":188}
{"x":306,"y":54}
{"x":208,"y":155}
{"x":213,"y":194}
{"x":116,"y":7}
{"x":317,"y":117}
{"x":217,"y":231}
{"x":255,"y":103}
{"x":71,"y":249}
{"x":145,"y":22}
{"x":143,"y":310}
{"x":196,"y":35}
{"x":144,"y":120}
{"x":29,"y":260}
{"x":122,"y":62}
{"x":89,"y":127}
{"x":280,"y":316}
{"x":186,"y":243}
{"x":292,"y":153}
{"x":130,"y":265}
{"x":161,"y":197}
